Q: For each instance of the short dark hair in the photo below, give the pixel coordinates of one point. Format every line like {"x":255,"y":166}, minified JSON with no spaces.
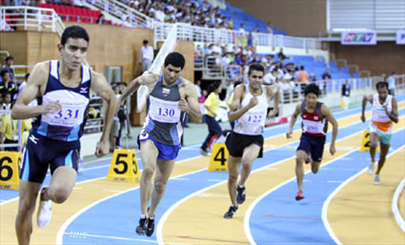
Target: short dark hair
{"x":74,"y":32}
{"x":175,"y":59}
{"x":381,"y":84}
{"x":312,"y":88}
{"x":4,"y":71}
{"x":255,"y":67}
{"x":213,"y":86}
{"x":145,"y":41}
{"x":9,"y":58}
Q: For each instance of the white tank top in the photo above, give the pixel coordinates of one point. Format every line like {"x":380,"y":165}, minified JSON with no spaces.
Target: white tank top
{"x":252,"y":122}
{"x":379,"y":118}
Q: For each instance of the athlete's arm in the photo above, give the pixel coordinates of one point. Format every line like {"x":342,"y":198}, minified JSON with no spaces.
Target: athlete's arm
{"x":363,"y":107}
{"x":394,"y":114}
{"x":273,"y":90}
{"x":236,"y":113}
{"x":147,"y":78}
{"x":36,"y":81}
{"x":190,"y":105}
{"x":329,"y":116}
{"x":102,"y":88}
{"x":293,"y":119}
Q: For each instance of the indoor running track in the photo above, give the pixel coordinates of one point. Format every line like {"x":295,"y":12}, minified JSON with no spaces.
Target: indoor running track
{"x":341,"y":205}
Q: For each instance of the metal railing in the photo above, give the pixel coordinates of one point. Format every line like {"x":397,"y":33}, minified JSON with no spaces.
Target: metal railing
{"x":30,"y":18}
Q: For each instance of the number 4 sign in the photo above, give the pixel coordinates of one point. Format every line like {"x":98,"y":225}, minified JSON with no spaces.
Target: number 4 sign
{"x":124,"y":166}
{"x":219,"y":158}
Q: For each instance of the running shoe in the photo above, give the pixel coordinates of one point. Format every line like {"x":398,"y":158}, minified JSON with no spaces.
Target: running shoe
{"x":44,"y":213}
{"x":202,"y":152}
{"x":229,"y":214}
{"x":150,"y":226}
{"x":371,"y":168}
{"x":377,"y":180}
{"x":300,"y":196}
{"x":141,"y":228}
{"x":241,"y":196}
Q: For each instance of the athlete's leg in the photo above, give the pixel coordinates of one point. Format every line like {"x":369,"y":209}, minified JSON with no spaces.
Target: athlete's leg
{"x":26,"y":206}
{"x":374,"y":138}
{"x":299,"y":167}
{"x":163,"y":171}
{"x":62,"y":182}
{"x":315,"y":166}
{"x":233,"y":167}
{"x":149,"y":154}
{"x":249,"y":155}
{"x":383,"y":153}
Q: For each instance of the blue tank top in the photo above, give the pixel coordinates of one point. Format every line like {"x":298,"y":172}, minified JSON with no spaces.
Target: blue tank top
{"x":163,"y":121}
{"x":67,"y":124}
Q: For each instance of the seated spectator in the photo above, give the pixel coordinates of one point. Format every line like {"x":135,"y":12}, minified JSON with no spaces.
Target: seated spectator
{"x":326,"y":77}
{"x":9,"y":130}
{"x":270,"y":27}
{"x":6,"y":84}
{"x":281,"y":55}
{"x":7,"y":66}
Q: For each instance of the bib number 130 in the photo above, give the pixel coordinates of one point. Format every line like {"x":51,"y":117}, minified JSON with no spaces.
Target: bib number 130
{"x":166,"y":112}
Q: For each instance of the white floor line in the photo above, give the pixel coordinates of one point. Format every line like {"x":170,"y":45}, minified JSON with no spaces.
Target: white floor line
{"x":395,"y":210}
{"x":85,"y":235}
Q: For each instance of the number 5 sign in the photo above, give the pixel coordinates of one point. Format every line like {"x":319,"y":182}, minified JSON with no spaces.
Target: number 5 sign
{"x":9,"y":170}
{"x":219,"y":158}
{"x":124,"y":166}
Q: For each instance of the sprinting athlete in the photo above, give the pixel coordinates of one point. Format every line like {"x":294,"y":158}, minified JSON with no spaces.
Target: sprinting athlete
{"x":64,"y":88}
{"x":170,"y":97}
{"x":384,"y":111}
{"x":315,"y":116}
{"x":245,"y":143}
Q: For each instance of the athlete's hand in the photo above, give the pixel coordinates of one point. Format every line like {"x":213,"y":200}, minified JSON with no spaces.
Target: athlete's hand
{"x":272,"y":113}
{"x":363,"y":118}
{"x":289,"y":134}
{"x":253,"y":102}
{"x":183,"y":106}
{"x":386,"y":110}
{"x":332,"y":149}
{"x":52,"y":107}
{"x":101,"y":149}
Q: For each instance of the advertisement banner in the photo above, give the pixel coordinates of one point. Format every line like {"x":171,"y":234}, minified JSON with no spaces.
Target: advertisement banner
{"x":359,"y":38}
{"x":400,"y":36}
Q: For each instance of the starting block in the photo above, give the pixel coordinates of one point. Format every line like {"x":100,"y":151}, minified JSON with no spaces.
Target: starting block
{"x":124,"y":166}
{"x":219,"y":158}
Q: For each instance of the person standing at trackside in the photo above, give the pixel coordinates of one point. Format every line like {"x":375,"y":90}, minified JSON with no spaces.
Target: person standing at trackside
{"x":384,"y":111}
{"x":391,"y":83}
{"x":146,"y":56}
{"x":64,"y":90}
{"x":315,"y":116}
{"x":245,"y":143}
{"x":211,"y":105}
{"x":170,"y":97}
{"x":346,"y":94}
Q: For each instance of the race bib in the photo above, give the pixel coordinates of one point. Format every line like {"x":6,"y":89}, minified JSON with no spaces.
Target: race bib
{"x":164,"y":111}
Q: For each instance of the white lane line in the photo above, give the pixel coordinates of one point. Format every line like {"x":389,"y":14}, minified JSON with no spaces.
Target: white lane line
{"x":215,"y":180}
{"x":79,"y":234}
{"x":255,"y":202}
{"x":176,"y":178}
{"x":333,"y":194}
{"x":224,"y":196}
{"x":398,"y":217}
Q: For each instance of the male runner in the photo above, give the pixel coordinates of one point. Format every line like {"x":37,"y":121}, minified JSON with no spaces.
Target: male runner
{"x":315,"y":116}
{"x":64,"y":89}
{"x":170,"y":97}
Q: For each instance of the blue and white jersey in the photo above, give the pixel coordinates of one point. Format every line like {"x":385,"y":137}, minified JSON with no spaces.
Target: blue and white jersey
{"x":66,"y":124}
{"x":163,"y":121}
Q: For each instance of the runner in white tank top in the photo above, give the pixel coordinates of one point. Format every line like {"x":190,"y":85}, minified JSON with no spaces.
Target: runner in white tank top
{"x":249,"y":111}
{"x":384,"y":111}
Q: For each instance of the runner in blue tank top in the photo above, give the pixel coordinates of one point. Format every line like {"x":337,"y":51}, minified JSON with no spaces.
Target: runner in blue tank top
{"x":315,"y":116}
{"x":64,"y":89}
{"x":169,"y":98}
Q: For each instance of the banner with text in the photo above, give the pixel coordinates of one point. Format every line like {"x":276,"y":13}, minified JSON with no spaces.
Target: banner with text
{"x":359,"y":38}
{"x":400,"y":36}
